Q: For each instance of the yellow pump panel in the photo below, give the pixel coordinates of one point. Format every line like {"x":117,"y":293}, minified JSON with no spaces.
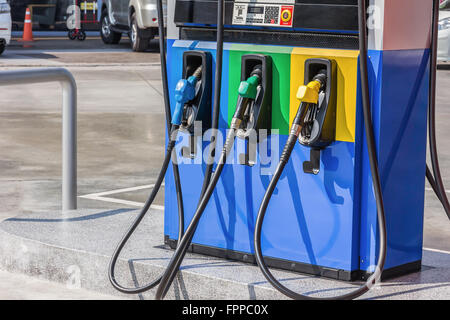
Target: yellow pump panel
{"x":347,"y":73}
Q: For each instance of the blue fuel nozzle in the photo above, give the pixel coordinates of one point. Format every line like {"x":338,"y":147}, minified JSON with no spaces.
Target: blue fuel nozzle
{"x":184,"y":92}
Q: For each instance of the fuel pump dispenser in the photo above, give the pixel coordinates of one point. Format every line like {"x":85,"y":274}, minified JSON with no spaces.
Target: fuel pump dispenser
{"x":325,"y":201}
{"x":319,"y":201}
{"x":337,"y":92}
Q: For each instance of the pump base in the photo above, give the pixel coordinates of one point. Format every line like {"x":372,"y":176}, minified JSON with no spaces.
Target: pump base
{"x":271,"y":262}
{"x":299,"y":267}
{"x":395,"y":272}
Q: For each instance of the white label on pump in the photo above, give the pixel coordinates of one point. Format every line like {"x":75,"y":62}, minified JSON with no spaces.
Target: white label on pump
{"x":269,"y":1}
{"x":240,"y":13}
{"x":269,"y":15}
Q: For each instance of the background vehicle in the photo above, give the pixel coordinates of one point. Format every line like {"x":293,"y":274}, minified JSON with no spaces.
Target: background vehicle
{"x":444,"y":32}
{"x":5,"y":25}
{"x":48,"y":14}
{"x":138,"y":18}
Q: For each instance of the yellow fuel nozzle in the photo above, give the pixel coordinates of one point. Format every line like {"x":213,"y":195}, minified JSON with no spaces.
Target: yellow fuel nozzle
{"x":310,"y":92}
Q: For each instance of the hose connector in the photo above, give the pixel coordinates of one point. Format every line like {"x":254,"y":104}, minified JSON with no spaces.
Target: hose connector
{"x":198,"y":73}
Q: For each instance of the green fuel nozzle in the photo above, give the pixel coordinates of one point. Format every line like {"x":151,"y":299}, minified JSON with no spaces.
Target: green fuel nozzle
{"x":248,"y":90}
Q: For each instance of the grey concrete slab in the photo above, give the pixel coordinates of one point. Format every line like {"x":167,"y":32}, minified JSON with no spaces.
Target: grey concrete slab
{"x":21,"y":287}
{"x":63,"y":52}
{"x":105,"y":144}
{"x":136,"y":97}
{"x":55,"y":245}
{"x":436,"y":224}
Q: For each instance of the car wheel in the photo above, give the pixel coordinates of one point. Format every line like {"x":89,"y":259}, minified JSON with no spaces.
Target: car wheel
{"x":72,"y":34}
{"x":138,"y":42}
{"x":2,"y":48}
{"x":81,"y":35}
{"x":108,"y":36}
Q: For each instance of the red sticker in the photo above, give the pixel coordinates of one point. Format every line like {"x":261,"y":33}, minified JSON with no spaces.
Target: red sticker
{"x":286,"y":16}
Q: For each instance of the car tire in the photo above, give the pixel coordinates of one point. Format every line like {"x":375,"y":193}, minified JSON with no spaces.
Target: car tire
{"x":2,"y":48}
{"x":81,"y":35}
{"x":138,"y":42}
{"x":108,"y":36}
{"x":72,"y":34}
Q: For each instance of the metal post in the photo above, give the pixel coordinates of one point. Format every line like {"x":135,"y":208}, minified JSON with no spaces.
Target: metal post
{"x":69,"y":122}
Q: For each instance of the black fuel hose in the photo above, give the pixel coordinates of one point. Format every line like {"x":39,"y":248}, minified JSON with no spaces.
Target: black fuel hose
{"x":183,"y":245}
{"x":186,"y":240}
{"x":210,"y":179}
{"x":434,"y":177}
{"x":162,"y":173}
{"x":430,"y":179}
{"x":137,"y":221}
{"x":217,"y":94}
{"x":371,"y":146}
{"x":165,"y":84}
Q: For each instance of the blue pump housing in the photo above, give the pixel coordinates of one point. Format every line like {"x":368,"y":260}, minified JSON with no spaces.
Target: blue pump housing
{"x":324,"y":224}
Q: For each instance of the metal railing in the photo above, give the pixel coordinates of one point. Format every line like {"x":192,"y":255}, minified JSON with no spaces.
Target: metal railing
{"x":69,"y":122}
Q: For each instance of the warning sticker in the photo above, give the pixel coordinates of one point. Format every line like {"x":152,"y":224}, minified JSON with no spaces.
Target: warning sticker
{"x":263,"y":14}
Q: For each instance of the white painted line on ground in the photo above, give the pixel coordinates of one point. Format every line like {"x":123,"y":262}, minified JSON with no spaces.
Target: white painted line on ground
{"x":100,"y":196}
{"x":430,"y":189}
{"x":108,"y":199}
{"x":125,"y":202}
{"x":146,"y":186}
{"x":436,"y":250}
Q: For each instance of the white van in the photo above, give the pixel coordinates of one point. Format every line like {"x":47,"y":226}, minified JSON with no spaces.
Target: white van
{"x":138,"y":18}
{"x":5,"y":25}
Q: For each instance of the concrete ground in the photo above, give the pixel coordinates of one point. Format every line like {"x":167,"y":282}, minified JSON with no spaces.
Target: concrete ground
{"x":121,"y":123}
{"x":21,"y":287}
{"x":120,"y":137}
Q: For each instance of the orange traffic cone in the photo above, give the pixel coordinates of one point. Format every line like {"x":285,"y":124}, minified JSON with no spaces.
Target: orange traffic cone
{"x":27,"y":27}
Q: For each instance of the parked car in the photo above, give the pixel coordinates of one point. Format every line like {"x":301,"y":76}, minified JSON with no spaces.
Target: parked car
{"x":137,"y":18}
{"x":5,"y":25}
{"x":444,"y":32}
